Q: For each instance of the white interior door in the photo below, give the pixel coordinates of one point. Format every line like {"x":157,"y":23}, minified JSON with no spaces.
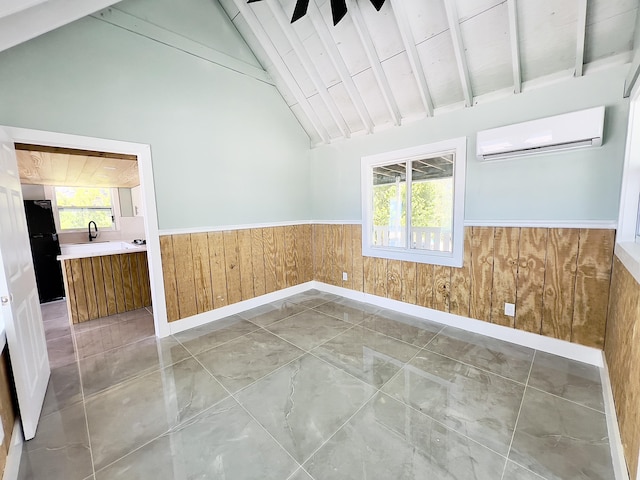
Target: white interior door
{"x":20,"y":307}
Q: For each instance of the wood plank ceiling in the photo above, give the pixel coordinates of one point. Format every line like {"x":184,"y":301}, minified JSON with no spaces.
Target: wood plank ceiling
{"x":75,"y":168}
{"x":416,"y":58}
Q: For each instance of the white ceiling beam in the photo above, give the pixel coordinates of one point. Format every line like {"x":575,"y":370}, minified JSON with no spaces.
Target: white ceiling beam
{"x":32,"y":22}
{"x":632,"y":76}
{"x":329,"y":45}
{"x":412,"y":53}
{"x":458,"y":49}
{"x":515,"y":45}
{"x":309,"y":67}
{"x":374,"y":60}
{"x":634,"y":69}
{"x":279,"y":65}
{"x":136,"y":25}
{"x":582,"y":30}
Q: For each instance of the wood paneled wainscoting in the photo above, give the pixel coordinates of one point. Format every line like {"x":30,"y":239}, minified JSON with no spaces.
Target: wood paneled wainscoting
{"x":557,"y":278}
{"x":623,"y":358}
{"x":105,"y":285}
{"x":205,"y":271}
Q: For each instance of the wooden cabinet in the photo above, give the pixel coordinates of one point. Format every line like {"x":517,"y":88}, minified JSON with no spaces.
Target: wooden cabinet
{"x":105,"y":285}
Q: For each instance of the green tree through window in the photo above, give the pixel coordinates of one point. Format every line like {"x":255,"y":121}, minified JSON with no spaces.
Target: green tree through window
{"x":431,"y":203}
{"x":77,"y":206}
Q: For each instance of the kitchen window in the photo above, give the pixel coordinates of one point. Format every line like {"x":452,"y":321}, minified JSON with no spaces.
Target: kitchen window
{"x":413,"y":203}
{"x":77,"y":206}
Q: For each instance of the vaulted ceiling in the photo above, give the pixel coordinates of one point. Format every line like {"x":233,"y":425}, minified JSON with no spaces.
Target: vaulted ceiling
{"x":374,"y":70}
{"x":416,"y":58}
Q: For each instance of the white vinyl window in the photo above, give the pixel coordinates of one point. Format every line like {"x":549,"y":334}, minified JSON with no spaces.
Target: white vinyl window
{"x":413,"y":203}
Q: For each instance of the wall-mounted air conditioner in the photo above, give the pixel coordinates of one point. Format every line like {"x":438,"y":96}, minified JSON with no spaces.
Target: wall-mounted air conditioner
{"x":561,"y":132}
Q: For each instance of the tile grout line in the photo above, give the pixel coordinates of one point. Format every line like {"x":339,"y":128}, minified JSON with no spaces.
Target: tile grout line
{"x":439,"y":422}
{"x":470,"y":364}
{"x":232,"y":396}
{"x":511,"y":379}
{"x":377,"y":391}
{"x":169,"y":430}
{"x":86,"y":324}
{"x":114,"y":348}
{"x":84,"y":402}
{"x":484,"y":370}
{"x":567,"y":400}
{"x":77,"y":359}
{"x":305,"y":352}
{"x":137,"y":375}
{"x":260,"y":327}
{"x":515,"y":426}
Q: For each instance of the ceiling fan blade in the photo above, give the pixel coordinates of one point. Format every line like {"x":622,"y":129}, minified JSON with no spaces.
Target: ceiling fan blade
{"x":253,"y":1}
{"x":377,"y":4}
{"x":338,"y":10}
{"x":300,"y":10}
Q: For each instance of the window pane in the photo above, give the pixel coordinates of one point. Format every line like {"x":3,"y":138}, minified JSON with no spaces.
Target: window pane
{"x":389,"y":205}
{"x":77,"y":206}
{"x":432,"y":203}
{"x":78,"y":218}
{"x":83,"y":197}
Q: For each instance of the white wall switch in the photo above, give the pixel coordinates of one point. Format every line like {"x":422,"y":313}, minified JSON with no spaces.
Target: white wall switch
{"x":510,"y":309}
{"x":345,"y":277}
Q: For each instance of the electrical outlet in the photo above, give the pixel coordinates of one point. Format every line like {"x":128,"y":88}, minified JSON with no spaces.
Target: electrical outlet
{"x":510,"y":309}
{"x":345,"y":277}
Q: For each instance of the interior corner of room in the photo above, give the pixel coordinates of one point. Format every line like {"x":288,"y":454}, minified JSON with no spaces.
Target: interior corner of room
{"x":201,"y":160}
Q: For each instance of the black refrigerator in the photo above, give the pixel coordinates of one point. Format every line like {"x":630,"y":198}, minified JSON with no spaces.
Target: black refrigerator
{"x":44,"y":249}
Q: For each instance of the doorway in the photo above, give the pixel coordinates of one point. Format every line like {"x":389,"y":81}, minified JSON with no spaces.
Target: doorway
{"x":147,"y":191}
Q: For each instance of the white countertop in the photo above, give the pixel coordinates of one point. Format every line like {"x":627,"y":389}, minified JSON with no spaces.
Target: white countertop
{"x":97,"y":249}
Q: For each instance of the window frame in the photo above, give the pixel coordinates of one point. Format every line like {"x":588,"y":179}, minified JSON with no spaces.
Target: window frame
{"x":50,"y":194}
{"x":457,"y":146}
{"x":628,"y":230}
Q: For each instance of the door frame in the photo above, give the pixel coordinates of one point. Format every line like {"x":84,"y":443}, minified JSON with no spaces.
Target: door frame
{"x":145,"y":164}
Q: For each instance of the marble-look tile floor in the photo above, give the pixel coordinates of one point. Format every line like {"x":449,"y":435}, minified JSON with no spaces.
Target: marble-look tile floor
{"x":312,"y":387}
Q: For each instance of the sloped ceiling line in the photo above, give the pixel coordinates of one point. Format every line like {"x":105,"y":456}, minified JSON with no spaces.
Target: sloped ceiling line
{"x":412,"y":52}
{"x":582,"y":31}
{"x":374,"y":60}
{"x":634,"y":69}
{"x":338,"y":63}
{"x":139,"y":26}
{"x":514,"y":38}
{"x":458,"y":48}
{"x":310,"y":69}
{"x":281,"y":68}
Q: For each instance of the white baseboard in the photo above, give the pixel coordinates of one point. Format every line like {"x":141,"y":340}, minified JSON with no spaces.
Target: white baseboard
{"x":573,"y":351}
{"x":12,"y":467}
{"x":615,"y":441}
{"x":222,"y":312}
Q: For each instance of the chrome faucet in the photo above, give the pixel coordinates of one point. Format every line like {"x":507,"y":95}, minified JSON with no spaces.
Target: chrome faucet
{"x":91,"y":237}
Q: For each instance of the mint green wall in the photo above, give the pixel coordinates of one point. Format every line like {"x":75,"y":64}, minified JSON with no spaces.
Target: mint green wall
{"x":226,"y":149}
{"x":192,"y":19}
{"x":572,"y":186}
